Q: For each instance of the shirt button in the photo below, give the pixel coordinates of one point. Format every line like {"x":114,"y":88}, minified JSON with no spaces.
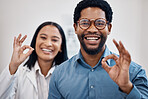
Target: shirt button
{"x":91,"y":86}
{"x":92,"y":70}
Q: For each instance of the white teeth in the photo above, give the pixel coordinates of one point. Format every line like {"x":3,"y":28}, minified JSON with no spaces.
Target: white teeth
{"x":47,"y":50}
{"x":92,"y":38}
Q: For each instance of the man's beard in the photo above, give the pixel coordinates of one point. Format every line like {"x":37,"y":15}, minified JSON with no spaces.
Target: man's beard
{"x":95,"y":50}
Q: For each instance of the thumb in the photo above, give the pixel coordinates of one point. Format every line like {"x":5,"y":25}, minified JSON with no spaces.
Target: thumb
{"x":28,"y":53}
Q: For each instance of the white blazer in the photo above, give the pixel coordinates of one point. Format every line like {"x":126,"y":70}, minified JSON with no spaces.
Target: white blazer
{"x":21,"y":85}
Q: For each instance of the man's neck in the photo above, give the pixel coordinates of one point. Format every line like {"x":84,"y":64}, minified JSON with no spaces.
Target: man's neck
{"x":92,"y":60}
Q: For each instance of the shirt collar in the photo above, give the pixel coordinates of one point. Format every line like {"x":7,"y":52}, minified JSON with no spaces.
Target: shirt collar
{"x":79,"y":56}
{"x":36,"y":66}
{"x":106,"y":53}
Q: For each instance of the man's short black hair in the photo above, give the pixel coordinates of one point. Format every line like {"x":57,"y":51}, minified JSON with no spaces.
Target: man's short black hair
{"x":102,"y":4}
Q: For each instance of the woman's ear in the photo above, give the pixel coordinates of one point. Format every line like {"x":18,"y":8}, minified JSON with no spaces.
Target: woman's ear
{"x":60,"y":50}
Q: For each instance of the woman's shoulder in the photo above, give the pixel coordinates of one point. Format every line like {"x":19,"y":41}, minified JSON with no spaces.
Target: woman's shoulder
{"x":24,"y":70}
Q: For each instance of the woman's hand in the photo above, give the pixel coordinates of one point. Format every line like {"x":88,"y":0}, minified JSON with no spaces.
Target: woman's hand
{"x":18,"y":56}
{"x":119,"y":73}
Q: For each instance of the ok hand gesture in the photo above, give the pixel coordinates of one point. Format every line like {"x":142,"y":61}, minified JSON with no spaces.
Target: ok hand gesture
{"x":119,"y":73}
{"x":18,"y":56}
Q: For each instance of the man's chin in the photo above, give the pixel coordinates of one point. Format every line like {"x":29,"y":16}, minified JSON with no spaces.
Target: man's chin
{"x":92,"y":51}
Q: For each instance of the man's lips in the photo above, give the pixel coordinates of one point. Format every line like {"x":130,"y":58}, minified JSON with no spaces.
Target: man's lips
{"x":92,"y":37}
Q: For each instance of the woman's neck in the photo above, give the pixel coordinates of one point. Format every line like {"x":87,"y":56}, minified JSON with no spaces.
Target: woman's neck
{"x":45,"y":66}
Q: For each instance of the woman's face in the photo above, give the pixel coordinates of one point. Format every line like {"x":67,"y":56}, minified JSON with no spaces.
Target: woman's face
{"x":48,"y":43}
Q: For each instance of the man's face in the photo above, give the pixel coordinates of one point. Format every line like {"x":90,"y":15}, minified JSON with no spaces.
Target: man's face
{"x":92,"y":39}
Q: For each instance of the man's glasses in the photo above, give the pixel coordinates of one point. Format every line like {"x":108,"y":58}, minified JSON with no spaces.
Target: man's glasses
{"x":100,"y":23}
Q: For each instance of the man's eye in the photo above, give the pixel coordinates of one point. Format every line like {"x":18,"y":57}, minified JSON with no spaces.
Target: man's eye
{"x":100,"y":24}
{"x":85,"y":24}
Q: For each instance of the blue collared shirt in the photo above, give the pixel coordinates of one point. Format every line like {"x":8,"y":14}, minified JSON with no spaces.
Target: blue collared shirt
{"x":75,"y":79}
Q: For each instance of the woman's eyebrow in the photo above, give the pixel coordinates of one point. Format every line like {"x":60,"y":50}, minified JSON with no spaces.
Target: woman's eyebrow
{"x":55,"y":37}
{"x":43,"y":34}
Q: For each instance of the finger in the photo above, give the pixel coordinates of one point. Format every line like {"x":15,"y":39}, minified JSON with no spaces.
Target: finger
{"x":105,"y":66}
{"x":18,"y":38}
{"x":121,"y":44}
{"x":14,"y":42}
{"x":118,"y":46}
{"x":112,"y":56}
{"x":23,"y":56}
{"x":29,"y":52}
{"x":22,"y":40}
{"x":24,"y":48}
{"x":122,"y":47}
{"x":125,"y":53}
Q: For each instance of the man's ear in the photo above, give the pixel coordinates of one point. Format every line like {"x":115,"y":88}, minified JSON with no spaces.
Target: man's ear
{"x":75,"y":27}
{"x":109,"y":28}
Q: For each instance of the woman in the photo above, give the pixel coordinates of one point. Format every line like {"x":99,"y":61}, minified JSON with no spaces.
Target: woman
{"x":31,"y":81}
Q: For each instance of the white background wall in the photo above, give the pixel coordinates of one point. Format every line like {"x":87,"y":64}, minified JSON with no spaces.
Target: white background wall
{"x":130,"y":20}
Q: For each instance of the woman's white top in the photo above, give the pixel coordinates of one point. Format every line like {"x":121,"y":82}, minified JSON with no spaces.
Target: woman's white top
{"x":25,"y":83}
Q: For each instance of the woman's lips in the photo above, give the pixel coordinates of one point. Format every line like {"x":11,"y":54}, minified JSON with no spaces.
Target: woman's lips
{"x":47,"y":51}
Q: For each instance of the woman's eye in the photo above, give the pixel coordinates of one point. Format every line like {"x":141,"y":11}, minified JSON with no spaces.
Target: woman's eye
{"x":54,"y":40}
{"x":43,"y":38}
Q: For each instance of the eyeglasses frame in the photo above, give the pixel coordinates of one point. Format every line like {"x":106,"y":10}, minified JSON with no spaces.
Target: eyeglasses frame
{"x":92,"y":20}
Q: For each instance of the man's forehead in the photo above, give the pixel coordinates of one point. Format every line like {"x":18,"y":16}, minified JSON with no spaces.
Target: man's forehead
{"x":92,"y":13}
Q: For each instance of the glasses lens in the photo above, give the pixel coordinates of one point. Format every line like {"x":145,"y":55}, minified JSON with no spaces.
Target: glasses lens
{"x":100,"y":23}
{"x":84,"y":23}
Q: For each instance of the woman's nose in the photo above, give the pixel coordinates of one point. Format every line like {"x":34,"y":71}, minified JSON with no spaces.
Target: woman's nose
{"x":49,"y":43}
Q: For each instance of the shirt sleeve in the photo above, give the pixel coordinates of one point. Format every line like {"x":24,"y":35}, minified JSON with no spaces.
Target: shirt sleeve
{"x":53,"y":87}
{"x":7,"y":84}
{"x":140,"y":87}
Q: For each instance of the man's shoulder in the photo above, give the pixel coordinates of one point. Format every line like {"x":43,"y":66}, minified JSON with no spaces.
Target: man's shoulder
{"x":67,"y":64}
{"x":135,"y":65}
{"x":64,"y":68}
{"x":135,"y":68}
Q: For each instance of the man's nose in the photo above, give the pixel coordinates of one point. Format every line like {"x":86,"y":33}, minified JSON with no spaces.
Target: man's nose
{"x":92,"y":28}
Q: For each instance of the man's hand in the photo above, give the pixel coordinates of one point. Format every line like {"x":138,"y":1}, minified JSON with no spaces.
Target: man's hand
{"x":119,"y":73}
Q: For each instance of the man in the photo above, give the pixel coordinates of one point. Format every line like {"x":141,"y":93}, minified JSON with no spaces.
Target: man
{"x":95,"y":72}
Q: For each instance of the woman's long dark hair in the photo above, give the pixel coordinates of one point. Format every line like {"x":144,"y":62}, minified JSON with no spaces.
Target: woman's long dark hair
{"x":60,"y":57}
